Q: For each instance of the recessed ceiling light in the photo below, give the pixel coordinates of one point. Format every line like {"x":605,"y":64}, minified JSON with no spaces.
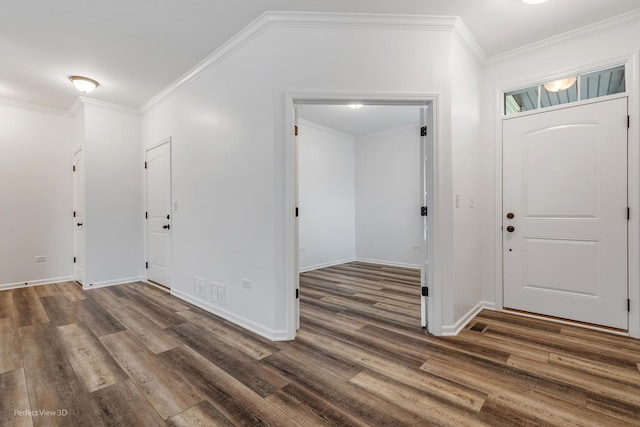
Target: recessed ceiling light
{"x":355,"y":106}
{"x":533,"y":1}
{"x":84,"y":84}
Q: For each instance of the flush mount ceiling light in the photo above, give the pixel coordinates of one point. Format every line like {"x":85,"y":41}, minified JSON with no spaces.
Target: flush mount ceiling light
{"x":84,"y":84}
{"x":559,"y":85}
{"x":533,"y":1}
{"x":355,"y":106}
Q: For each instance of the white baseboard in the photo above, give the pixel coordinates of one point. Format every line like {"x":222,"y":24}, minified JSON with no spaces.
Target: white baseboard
{"x":115,"y":282}
{"x":271,"y":334}
{"x":389,"y":263}
{"x":36,"y":283}
{"x":326,"y":264}
{"x":453,"y":330}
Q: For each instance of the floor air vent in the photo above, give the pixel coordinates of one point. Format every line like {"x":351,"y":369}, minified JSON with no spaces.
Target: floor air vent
{"x":479,"y":327}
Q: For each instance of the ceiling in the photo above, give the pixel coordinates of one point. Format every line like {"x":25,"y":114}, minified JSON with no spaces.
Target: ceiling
{"x":366,"y":120}
{"x":137,"y":48}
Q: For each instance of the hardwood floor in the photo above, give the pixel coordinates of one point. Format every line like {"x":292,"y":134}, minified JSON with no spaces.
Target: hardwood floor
{"x":134,"y":356}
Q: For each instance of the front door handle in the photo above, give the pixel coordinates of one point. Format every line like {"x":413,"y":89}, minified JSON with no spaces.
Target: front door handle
{"x":166,"y":227}
{"x":511,"y":229}
{"x":79,"y":224}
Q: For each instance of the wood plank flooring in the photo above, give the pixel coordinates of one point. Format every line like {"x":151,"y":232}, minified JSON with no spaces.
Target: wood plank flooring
{"x":135,"y":356}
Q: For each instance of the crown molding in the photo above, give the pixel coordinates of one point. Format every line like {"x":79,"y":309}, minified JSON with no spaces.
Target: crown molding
{"x":108,"y":105}
{"x":469,"y":42}
{"x":586,"y":31}
{"x":72,"y":111}
{"x":32,"y":107}
{"x":269,"y":20}
{"x":75,"y":107}
{"x":326,"y":129}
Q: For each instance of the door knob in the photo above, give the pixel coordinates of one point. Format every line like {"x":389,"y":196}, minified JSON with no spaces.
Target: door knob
{"x":510,"y":215}
{"x":79,"y":224}
{"x":511,"y":229}
{"x":166,"y":227}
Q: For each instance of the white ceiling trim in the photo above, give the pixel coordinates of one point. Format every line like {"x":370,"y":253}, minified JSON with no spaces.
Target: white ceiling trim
{"x":588,"y":30}
{"x":325,"y":129}
{"x":469,"y":42}
{"x":81,"y":101}
{"x":321,"y":20}
{"x":33,"y":107}
{"x":108,"y":105}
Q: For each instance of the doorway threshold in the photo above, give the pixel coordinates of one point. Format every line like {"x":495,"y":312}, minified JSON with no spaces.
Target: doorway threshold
{"x":569,"y":322}
{"x":159,"y":286}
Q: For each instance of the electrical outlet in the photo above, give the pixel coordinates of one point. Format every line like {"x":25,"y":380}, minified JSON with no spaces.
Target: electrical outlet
{"x":246,"y":283}
{"x":41,"y":258}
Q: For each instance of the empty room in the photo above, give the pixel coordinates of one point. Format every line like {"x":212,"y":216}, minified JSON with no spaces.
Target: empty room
{"x":308,"y":213}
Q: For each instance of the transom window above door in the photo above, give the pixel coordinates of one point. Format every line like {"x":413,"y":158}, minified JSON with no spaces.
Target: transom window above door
{"x":566,"y":90}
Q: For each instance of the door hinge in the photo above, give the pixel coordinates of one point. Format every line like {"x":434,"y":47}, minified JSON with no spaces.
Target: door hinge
{"x":628,"y":213}
{"x":628,"y":305}
{"x":297,"y":293}
{"x":146,"y":265}
{"x":424,"y":211}
{"x":296,"y":212}
{"x":146,"y":215}
{"x":145,"y":165}
{"x":628,"y":121}
{"x":295,"y":130}
{"x":74,"y":260}
{"x":74,"y":214}
{"x":74,"y":168}
{"x":423,"y":131}
{"x":425,"y":291}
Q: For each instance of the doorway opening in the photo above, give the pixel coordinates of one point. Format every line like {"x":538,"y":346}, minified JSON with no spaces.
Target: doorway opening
{"x":362,"y":183}
{"x":78,"y":216}
{"x":158,"y":214}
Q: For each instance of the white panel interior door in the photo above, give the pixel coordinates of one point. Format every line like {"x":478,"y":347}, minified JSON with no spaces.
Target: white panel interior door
{"x":159,"y":214}
{"x":78,"y":217}
{"x":565,"y":184}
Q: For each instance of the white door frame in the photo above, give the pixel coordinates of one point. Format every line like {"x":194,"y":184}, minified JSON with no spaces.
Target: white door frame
{"x":76,"y":150}
{"x":433,"y":273}
{"x":633,"y":185}
{"x":166,"y":140}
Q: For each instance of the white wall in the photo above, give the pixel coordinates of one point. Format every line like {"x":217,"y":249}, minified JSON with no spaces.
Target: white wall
{"x":388,"y":221}
{"x":228,"y":133}
{"x":468,"y":244}
{"x":114,"y":223}
{"x":36,"y":189}
{"x":326,"y":196}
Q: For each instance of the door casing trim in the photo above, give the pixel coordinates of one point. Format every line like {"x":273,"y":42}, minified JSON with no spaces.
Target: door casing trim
{"x":435,"y":301}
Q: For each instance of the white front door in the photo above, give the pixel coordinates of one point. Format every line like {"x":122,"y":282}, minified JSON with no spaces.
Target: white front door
{"x":565,"y":213}
{"x":158,"y":168}
{"x":78,"y":216}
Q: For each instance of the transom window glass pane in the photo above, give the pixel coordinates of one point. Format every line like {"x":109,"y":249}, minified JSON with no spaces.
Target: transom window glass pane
{"x":559,"y":92}
{"x":521,"y":100}
{"x":602,"y":83}
{"x":563,"y":91}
